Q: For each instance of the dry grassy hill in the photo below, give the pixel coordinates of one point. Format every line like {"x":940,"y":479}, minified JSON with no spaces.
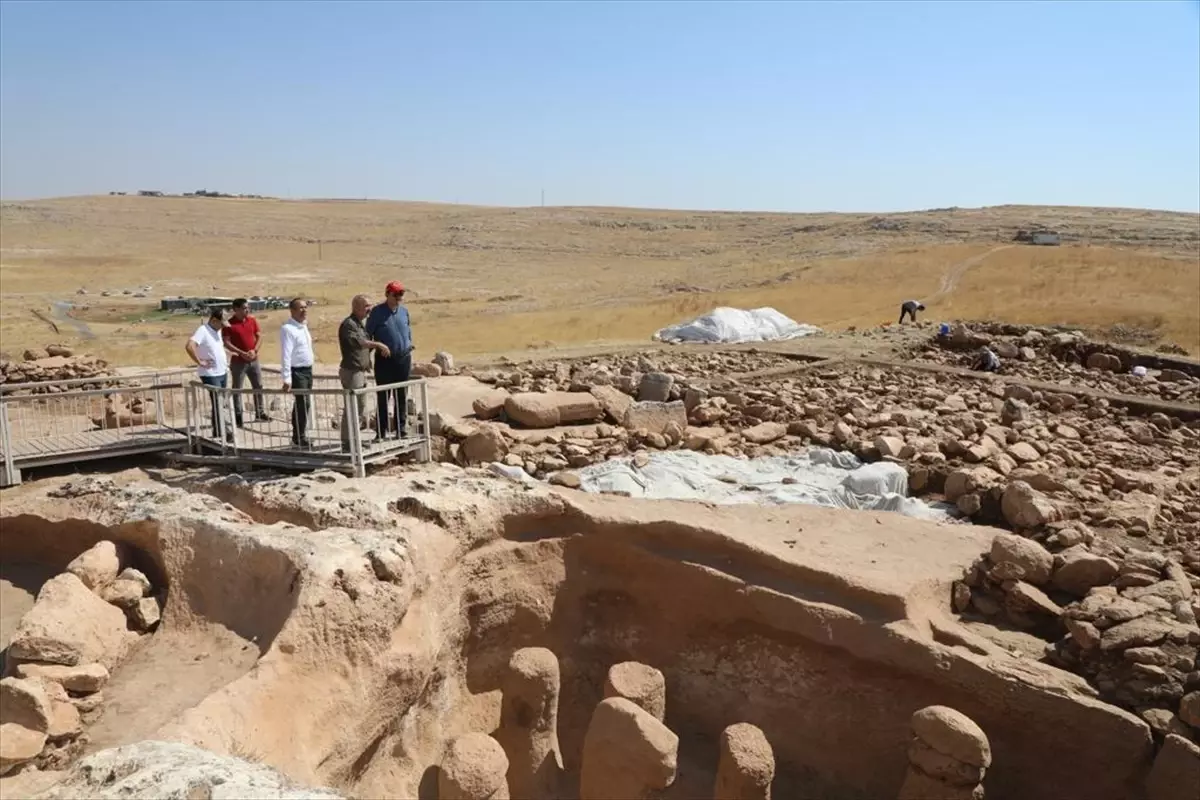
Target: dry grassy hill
{"x":492,"y":280}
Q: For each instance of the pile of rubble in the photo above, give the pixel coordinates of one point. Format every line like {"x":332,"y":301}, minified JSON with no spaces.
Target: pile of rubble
{"x":83,"y":623}
{"x":1110,"y":501}
{"x":1124,"y":618}
{"x":1063,"y":357}
{"x":56,"y":363}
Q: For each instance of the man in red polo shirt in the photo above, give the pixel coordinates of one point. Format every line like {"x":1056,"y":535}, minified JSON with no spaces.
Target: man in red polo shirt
{"x":242,"y":337}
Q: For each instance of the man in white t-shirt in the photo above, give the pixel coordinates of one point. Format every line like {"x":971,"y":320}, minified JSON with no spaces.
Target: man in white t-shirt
{"x":207,"y":349}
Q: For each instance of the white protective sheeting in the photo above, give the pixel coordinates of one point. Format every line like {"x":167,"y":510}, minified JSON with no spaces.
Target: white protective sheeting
{"x":817,"y":477}
{"x":731,"y":325}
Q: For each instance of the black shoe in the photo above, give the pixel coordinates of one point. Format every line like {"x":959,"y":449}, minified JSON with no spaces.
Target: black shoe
{"x":263,"y":417}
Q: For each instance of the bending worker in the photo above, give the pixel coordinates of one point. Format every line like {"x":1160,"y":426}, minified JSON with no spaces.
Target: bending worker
{"x":910,"y":308}
{"x":389,"y":325}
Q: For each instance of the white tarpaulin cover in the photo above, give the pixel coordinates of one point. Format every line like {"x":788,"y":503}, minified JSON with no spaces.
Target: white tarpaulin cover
{"x":730,"y":325}
{"x":817,"y":477}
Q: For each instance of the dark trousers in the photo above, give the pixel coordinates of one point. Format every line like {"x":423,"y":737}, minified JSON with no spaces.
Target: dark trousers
{"x":911,"y":312}
{"x":242,"y":370}
{"x":301,"y":379}
{"x":215,"y":399}
{"x":392,"y":370}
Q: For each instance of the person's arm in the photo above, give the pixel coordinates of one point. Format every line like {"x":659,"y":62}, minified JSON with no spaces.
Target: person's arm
{"x":253,"y":354}
{"x":190,"y":348}
{"x":288,"y":346}
{"x":358,"y":337}
{"x":229,"y":346}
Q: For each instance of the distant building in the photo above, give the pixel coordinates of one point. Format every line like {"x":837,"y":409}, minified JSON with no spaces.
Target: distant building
{"x":202,"y":305}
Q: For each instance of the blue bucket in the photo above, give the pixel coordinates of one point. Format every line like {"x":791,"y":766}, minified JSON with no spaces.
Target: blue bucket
{"x":944,"y":329}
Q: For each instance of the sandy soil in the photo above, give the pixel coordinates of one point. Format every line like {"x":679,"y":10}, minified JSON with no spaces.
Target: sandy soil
{"x":168,"y":674}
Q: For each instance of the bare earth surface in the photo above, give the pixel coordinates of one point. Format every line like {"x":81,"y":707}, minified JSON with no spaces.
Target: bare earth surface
{"x":499,"y":280}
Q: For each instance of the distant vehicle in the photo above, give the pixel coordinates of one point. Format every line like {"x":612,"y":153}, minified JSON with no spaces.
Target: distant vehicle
{"x":1038,"y":237}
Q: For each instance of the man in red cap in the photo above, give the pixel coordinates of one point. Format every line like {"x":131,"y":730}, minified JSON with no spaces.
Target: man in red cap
{"x":388,"y":324}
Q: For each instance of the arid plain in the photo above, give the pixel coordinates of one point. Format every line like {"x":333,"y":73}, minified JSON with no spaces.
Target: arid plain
{"x":486,"y":281}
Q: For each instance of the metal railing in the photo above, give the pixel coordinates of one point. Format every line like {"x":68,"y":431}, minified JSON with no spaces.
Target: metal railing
{"x":326,"y":424}
{"x":67,"y":421}
{"x":63,"y":422}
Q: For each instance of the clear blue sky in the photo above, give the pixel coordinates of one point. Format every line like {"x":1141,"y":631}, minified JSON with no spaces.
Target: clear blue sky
{"x":848,"y":106}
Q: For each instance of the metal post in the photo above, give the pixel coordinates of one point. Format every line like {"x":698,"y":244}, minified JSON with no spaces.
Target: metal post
{"x":158,"y":410}
{"x":427,"y":445}
{"x":350,"y":418}
{"x":11,"y":476}
{"x":189,"y":414}
{"x":228,"y":421}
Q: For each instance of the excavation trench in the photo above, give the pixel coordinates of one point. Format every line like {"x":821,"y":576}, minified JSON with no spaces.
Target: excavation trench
{"x":353,"y":658}
{"x":215,"y":620}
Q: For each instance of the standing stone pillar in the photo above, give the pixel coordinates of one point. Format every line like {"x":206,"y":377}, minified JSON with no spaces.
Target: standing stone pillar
{"x":747,"y":764}
{"x":643,"y":685}
{"x":473,"y":769}
{"x":627,"y":753}
{"x":947,"y":757}
{"x":529,"y":723}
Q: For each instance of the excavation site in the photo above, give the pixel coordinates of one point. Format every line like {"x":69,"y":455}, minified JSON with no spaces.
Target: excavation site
{"x":679,"y":573}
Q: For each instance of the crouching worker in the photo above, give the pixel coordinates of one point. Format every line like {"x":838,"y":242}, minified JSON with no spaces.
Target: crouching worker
{"x":909,"y":309}
{"x":986,"y":361}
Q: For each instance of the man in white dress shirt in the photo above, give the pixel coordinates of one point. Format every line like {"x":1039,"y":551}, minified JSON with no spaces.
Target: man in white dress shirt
{"x":297,"y":366}
{"x":207,"y":349}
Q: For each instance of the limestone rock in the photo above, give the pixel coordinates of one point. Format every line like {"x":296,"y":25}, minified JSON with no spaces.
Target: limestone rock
{"x":1024,"y":598}
{"x":81,"y":679}
{"x":122,"y":594}
{"x":550,"y":409}
{"x":1024,"y":507}
{"x":640,"y":684}
{"x":424,"y":369}
{"x":1034,"y":559}
{"x":941,"y":766}
{"x":1135,"y":633}
{"x":473,"y":768}
{"x":1024,"y":452}
{"x":146,"y":614}
{"x":444,"y":361}
{"x":529,"y":723}
{"x":138,"y":577}
{"x":1189,"y":709}
{"x":626,"y":753}
{"x":746,"y":765}
{"x":97,"y":566}
{"x":655,"y":417}
{"x":655,"y":387}
{"x":765,"y":432}
{"x":614,"y":402}
{"x":490,"y":405}
{"x":568,"y":479}
{"x":919,"y":786}
{"x":24,"y":702}
{"x":1176,"y":771}
{"x":484,"y":446}
{"x":70,"y":625}
{"x":954,"y":734}
{"x":65,"y":722}
{"x":890,"y":446}
{"x":154,"y":769}
{"x":18,"y":745}
{"x":1080,"y":570}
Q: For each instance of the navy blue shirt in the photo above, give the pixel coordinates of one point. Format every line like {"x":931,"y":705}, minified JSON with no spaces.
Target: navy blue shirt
{"x":391,"y":328}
